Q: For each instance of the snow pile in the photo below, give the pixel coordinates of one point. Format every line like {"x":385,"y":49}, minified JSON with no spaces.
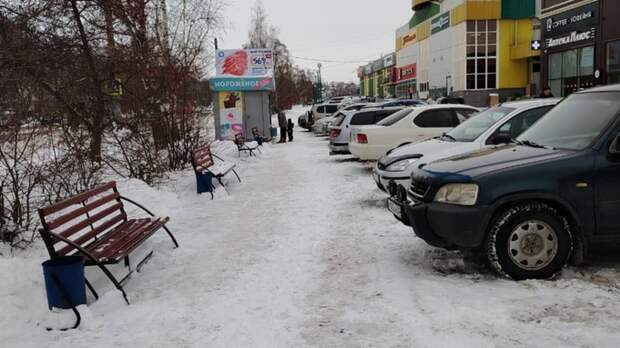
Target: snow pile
{"x":304,"y":253}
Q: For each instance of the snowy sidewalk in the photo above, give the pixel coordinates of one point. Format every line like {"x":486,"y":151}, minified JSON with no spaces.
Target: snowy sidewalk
{"x":304,"y":253}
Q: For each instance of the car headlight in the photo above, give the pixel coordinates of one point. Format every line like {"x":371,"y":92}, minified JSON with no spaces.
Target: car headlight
{"x":401,"y":165}
{"x":461,"y":194}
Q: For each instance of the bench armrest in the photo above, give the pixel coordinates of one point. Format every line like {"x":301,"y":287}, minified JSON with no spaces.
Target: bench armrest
{"x":218,"y":157}
{"x":137,"y":205}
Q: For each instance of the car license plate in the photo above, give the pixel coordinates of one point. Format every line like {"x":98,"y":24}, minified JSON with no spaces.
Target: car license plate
{"x":395,"y":208}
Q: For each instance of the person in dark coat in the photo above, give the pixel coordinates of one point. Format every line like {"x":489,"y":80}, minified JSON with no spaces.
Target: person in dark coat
{"x":546,"y":93}
{"x":282,"y":124}
{"x":289,"y":129}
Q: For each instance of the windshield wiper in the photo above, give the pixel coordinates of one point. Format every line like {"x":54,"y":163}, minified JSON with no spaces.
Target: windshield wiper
{"x":446,"y":135}
{"x":533,"y":144}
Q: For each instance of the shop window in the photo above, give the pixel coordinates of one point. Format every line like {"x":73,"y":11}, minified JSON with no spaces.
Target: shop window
{"x":571,"y":70}
{"x":613,"y":62}
{"x":586,"y":61}
{"x":481,"y":54}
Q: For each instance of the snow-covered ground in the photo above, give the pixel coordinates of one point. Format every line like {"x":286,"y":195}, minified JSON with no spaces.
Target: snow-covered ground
{"x":304,"y":253}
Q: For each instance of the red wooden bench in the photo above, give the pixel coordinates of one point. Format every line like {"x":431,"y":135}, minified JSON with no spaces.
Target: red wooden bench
{"x":204,"y":164}
{"x":94,"y":224}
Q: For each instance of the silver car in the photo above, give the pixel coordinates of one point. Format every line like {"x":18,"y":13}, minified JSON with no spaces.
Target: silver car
{"x":493,"y":126}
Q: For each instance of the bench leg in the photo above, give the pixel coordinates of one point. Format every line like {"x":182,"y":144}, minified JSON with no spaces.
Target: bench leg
{"x":219,"y":179}
{"x":91,"y":288}
{"x":237,"y":175}
{"x":174,"y":240}
{"x":95,"y":261}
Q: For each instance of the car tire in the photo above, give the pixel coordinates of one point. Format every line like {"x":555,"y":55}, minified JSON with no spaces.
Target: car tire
{"x":529,"y":240}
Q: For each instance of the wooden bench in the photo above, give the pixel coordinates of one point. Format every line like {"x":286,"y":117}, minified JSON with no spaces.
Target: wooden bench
{"x":95,"y":225}
{"x":243,"y":146}
{"x":205,"y":169}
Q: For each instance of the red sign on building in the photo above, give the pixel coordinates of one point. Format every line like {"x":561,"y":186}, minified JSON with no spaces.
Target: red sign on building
{"x":407,"y":72}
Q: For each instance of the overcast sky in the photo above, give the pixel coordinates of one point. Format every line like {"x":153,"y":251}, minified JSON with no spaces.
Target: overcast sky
{"x":328,"y":30}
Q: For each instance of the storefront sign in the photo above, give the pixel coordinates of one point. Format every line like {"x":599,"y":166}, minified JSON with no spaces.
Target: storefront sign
{"x":576,"y":19}
{"x":407,"y":72}
{"x":368,"y":69}
{"x":536,"y":45}
{"x":231,"y":114}
{"x":574,"y":37}
{"x":377,"y":65}
{"x":241,"y":63}
{"x":360,"y":72}
{"x":220,"y":84}
{"x":410,"y":38}
{"x":440,"y":23}
{"x":389,"y":60}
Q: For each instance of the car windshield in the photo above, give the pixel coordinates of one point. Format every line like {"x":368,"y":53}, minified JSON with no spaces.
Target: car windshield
{"x":576,"y":122}
{"x":471,"y":129}
{"x":386,"y":122}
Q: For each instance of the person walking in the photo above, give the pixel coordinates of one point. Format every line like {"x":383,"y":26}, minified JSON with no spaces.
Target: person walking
{"x":546,"y":93}
{"x":289,"y":129}
{"x":282,"y":124}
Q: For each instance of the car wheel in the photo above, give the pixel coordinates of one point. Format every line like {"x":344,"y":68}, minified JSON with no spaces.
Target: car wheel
{"x":529,"y":241}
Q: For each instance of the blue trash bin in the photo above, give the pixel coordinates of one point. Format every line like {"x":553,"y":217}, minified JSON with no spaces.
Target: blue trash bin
{"x":274,"y":132}
{"x":69,"y":271}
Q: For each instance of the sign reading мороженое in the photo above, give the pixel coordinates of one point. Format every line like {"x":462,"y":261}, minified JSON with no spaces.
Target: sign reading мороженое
{"x":578,"y":19}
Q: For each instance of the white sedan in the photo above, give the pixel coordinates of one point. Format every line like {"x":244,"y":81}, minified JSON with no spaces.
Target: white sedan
{"x":369,"y":143}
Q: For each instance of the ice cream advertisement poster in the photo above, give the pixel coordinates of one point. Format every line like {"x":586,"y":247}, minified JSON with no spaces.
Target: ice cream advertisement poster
{"x":231,"y":114}
{"x":244,"y":62}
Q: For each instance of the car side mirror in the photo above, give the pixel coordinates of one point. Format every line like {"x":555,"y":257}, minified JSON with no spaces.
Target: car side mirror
{"x":614,"y":149}
{"x":501,"y":138}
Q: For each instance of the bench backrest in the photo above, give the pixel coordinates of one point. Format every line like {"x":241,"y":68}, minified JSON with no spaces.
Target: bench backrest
{"x":202,"y":157}
{"x":82,"y":218}
{"x":239,"y":139}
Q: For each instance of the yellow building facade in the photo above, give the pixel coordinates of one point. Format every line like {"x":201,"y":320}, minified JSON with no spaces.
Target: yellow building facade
{"x":469,"y":48}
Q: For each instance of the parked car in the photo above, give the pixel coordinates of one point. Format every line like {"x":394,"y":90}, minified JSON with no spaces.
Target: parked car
{"x":450,"y":100}
{"x":402,"y":102}
{"x":320,"y":111}
{"x":340,"y":132}
{"x":494,"y":126}
{"x":321,"y":127}
{"x":302,"y":120}
{"x":410,"y":126}
{"x":530,"y":206}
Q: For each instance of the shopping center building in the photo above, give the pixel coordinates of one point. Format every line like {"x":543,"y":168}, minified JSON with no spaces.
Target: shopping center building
{"x":467,"y":48}
{"x":581,"y":44}
{"x":377,"y":78}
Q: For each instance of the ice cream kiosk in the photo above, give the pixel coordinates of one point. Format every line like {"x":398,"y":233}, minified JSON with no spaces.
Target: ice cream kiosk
{"x":242,"y":90}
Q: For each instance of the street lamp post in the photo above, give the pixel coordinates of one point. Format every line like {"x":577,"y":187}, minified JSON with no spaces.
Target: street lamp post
{"x":319,"y":85}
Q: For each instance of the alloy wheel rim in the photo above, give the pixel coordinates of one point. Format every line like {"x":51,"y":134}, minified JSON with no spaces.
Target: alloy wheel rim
{"x":533,"y":245}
